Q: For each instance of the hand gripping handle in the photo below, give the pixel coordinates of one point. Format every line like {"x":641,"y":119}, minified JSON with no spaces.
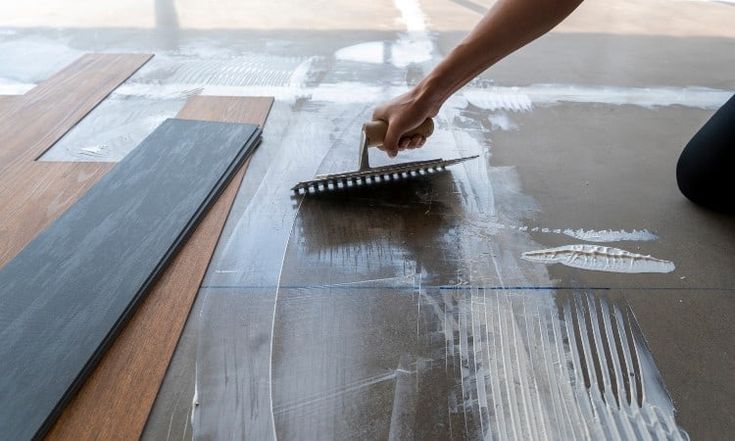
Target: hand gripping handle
{"x":375,"y":131}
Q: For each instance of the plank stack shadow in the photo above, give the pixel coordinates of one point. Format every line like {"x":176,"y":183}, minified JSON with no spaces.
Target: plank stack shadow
{"x":69,"y":291}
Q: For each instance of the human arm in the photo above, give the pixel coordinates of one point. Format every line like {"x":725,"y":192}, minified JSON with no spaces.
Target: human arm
{"x":506,"y":27}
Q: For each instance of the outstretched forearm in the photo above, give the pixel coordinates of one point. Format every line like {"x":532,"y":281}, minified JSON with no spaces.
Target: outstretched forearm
{"x":507,"y":26}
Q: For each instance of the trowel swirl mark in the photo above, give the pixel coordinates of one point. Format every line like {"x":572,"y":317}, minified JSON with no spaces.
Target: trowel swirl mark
{"x":606,"y":235}
{"x":624,"y":388}
{"x":610,"y":235}
{"x":529,"y":369}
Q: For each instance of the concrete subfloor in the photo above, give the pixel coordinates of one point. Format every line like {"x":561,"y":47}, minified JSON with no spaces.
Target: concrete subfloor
{"x":385,"y":314}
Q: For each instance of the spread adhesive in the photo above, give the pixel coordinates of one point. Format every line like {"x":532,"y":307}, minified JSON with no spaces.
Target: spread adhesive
{"x":600,"y":258}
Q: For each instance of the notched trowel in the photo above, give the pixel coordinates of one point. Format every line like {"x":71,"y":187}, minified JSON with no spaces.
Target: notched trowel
{"x":373,"y":133}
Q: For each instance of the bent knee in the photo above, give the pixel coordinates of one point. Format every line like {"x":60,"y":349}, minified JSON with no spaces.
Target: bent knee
{"x":704,"y":182}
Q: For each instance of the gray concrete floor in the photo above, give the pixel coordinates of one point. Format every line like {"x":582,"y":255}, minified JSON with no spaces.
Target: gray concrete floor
{"x":383,"y":315}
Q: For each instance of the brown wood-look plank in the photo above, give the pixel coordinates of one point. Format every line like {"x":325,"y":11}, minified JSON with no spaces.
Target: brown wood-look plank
{"x":6,"y":103}
{"x":252,"y":110}
{"x":115,"y":401}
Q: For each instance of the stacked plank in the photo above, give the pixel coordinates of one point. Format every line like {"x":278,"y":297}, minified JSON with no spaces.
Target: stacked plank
{"x":120,"y":391}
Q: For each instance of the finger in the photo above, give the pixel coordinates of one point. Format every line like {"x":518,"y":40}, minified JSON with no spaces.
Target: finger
{"x":390,"y":142}
{"x":405,"y":142}
{"x":415,"y":141}
{"x":421,"y":143}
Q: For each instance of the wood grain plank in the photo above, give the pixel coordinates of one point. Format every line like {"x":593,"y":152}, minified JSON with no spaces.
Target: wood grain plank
{"x":250,"y":110}
{"x":6,"y":104}
{"x":115,"y":401}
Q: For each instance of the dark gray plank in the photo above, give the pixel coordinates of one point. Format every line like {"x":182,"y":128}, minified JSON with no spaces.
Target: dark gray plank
{"x":63,"y":298}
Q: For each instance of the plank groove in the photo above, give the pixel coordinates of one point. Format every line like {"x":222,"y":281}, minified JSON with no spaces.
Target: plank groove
{"x":115,"y":400}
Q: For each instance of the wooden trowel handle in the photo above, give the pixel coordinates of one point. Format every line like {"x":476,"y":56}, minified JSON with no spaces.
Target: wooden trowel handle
{"x":375,"y":131}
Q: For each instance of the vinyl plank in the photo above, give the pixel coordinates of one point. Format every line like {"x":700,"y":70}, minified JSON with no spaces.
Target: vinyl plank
{"x":252,"y":110}
{"x":115,"y":400}
{"x":6,"y":103}
{"x":69,"y":291}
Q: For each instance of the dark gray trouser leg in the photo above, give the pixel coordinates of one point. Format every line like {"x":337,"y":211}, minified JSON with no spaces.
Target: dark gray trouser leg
{"x":705,"y":168}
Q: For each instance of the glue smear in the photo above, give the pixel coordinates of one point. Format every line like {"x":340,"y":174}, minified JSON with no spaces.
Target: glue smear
{"x":600,"y":258}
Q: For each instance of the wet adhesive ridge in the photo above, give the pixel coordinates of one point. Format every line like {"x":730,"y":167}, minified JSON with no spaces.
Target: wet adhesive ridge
{"x":623,"y":387}
{"x":240,"y":71}
{"x":600,"y":258}
{"x":530,"y":372}
{"x":507,"y":99}
{"x":606,"y":235}
{"x":550,"y":94}
{"x":224,"y":69}
{"x":610,"y":235}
